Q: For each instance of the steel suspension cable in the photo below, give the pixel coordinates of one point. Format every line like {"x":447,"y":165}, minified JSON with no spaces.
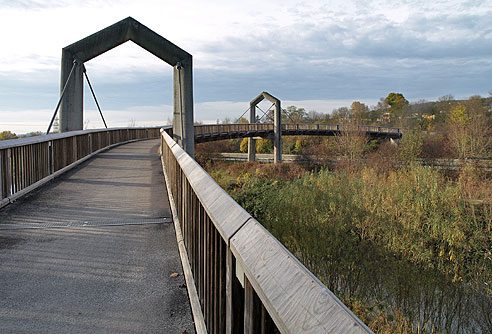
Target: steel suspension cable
{"x":265,"y":113}
{"x":244,"y":113}
{"x":179,"y":67}
{"x":94,"y":96}
{"x":61,"y":96}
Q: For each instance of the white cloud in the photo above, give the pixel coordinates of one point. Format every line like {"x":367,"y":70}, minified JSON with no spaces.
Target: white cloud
{"x":248,"y":30}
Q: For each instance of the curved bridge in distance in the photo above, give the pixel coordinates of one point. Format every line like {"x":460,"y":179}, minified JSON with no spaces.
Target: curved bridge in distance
{"x":213,"y":132}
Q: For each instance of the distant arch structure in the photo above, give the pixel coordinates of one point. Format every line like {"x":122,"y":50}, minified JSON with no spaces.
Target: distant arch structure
{"x":129,"y":29}
{"x":277,"y":127}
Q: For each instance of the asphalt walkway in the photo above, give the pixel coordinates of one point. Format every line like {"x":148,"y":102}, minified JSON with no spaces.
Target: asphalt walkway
{"x":94,"y":251}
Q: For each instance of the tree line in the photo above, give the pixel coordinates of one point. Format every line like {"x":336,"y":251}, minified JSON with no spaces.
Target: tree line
{"x":444,"y":128}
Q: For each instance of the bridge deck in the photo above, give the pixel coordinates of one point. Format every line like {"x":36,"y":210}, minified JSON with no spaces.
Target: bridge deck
{"x":112,"y":275}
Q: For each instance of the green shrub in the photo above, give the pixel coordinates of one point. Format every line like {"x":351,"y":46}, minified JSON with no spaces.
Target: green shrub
{"x":264,"y":146}
{"x":244,"y":145}
{"x":410,"y":147}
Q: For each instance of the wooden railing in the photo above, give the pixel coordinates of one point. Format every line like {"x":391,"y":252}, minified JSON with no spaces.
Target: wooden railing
{"x":29,"y":162}
{"x":245,"y":279}
{"x":227,"y":128}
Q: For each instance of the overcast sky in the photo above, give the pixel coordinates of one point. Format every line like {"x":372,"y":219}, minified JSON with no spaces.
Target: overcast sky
{"x":314,"y":54}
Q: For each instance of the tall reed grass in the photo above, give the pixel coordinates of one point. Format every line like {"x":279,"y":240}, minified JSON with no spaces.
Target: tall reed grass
{"x":409,"y":250}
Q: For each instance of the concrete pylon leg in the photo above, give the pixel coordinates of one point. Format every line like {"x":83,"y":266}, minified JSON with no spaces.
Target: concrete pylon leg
{"x":251,"y":141}
{"x":251,"y":149}
{"x":71,"y":112}
{"x":183,"y":129}
{"x":277,"y":134}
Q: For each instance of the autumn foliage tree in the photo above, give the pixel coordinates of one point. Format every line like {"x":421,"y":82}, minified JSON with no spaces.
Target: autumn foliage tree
{"x":5,"y":135}
{"x":292,"y":114}
{"x":243,"y":147}
{"x":398,"y":104}
{"x":410,"y":147}
{"x":351,"y":141}
{"x":469,"y":129}
{"x":242,"y":120}
{"x":262,"y":146}
{"x":359,"y":110}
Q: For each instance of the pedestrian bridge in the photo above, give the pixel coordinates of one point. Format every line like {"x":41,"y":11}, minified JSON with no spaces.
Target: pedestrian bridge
{"x":133,"y":236}
{"x":212,"y":132}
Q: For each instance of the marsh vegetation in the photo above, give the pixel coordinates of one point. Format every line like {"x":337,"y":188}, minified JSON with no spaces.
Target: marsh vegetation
{"x":407,"y":247}
{"x":409,"y":251}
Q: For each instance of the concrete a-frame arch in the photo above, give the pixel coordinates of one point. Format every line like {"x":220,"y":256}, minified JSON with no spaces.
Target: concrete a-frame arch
{"x":71,"y":109}
{"x":277,"y":127}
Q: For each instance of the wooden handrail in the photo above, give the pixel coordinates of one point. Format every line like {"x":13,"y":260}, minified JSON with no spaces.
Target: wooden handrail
{"x":246,"y":280}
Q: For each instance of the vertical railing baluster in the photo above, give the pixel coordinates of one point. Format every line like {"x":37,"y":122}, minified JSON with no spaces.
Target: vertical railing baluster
{"x":75,"y":156}
{"x":9,"y":172}
{"x":249,"y":311}
{"x":2,"y":176}
{"x":228,"y":293}
{"x":205,"y":272}
{"x":19,"y":152}
{"x":14,"y":160}
{"x":50,"y":157}
{"x":201,"y":262}
{"x":191,"y":247}
{"x":222,"y":285}
{"x":208,"y":274}
{"x":215,"y":279}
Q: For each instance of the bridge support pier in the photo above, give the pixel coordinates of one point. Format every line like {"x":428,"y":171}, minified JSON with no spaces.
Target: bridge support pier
{"x":277,"y":127}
